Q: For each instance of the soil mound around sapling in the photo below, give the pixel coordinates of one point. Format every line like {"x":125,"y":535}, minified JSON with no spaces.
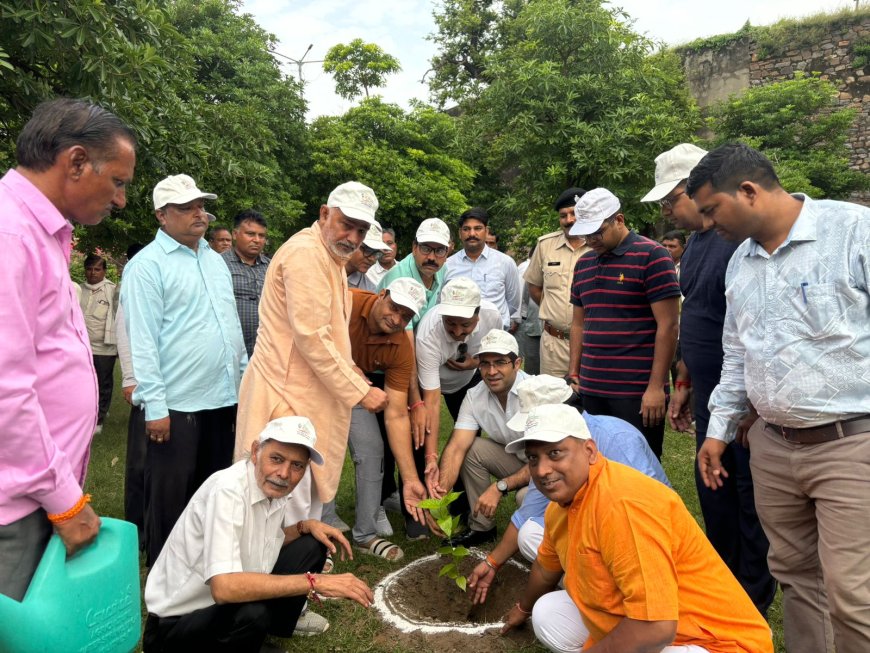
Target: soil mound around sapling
{"x":421,"y":599}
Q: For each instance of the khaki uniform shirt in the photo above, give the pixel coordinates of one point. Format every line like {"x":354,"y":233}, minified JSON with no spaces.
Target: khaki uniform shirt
{"x":302,"y":362}
{"x":552,"y":268}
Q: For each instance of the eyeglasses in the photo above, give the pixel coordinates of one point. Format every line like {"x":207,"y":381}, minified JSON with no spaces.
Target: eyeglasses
{"x":595,"y":235}
{"x":437,"y":251}
{"x":368,"y":252}
{"x":498,"y":363}
{"x":668,"y":202}
{"x":461,"y":351}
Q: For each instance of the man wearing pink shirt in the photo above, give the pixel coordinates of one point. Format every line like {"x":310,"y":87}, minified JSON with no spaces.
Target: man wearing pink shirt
{"x":75,"y":160}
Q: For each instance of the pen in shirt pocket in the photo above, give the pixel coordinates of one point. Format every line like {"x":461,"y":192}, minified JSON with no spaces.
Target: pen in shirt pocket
{"x":804,"y":285}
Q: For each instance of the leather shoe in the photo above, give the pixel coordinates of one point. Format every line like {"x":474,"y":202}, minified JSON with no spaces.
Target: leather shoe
{"x":472,"y":538}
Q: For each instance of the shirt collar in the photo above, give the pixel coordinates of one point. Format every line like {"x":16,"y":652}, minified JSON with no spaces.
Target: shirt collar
{"x":594,"y":472}
{"x":169,"y":244}
{"x":626,"y":244}
{"x":233,"y":254}
{"x":44,"y":212}
{"x":805,"y":227}
{"x":484,"y":253}
{"x":255,"y":493}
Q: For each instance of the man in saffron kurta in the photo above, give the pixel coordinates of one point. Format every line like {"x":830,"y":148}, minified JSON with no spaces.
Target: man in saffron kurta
{"x":302,"y":363}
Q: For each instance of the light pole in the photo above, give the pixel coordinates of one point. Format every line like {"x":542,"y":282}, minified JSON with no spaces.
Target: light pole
{"x":300,"y":61}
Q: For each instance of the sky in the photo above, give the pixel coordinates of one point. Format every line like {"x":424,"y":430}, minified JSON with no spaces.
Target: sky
{"x":400,"y":27}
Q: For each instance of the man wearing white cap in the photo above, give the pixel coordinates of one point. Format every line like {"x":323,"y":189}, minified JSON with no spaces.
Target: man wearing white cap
{"x":188,"y":353}
{"x":370,"y":251}
{"x":487,"y":407}
{"x":615,"y":438}
{"x":730,"y":518}
{"x":388,"y":261}
{"x":624,"y":330}
{"x":302,"y":364}
{"x":235,"y":568}
{"x":639,"y":575}
{"x":383,"y":352}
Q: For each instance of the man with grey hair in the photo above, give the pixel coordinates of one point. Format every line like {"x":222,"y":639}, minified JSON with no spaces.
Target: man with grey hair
{"x":184,"y":331}
{"x":75,"y":160}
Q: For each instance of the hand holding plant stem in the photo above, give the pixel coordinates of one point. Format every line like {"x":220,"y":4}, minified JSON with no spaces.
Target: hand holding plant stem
{"x":449,"y":525}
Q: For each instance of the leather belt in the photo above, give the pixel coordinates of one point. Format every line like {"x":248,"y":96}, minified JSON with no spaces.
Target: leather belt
{"x":824,"y":433}
{"x":556,"y":333}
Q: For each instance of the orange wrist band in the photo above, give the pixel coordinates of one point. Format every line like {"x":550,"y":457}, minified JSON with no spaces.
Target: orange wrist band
{"x":61,"y":517}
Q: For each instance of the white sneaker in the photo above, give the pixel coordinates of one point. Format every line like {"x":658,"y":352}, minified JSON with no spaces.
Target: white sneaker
{"x":384,"y":527}
{"x":391,"y":503}
{"x":310,"y":623}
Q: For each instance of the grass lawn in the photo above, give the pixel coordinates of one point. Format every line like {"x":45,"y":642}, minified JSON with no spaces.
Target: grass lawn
{"x":353,"y":629}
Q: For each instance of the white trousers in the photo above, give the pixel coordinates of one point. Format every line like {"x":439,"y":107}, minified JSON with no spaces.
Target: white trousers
{"x":559,"y":627}
{"x":529,"y":538}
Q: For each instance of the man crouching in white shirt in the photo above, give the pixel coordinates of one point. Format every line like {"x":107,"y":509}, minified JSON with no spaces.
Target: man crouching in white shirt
{"x":232,"y":571}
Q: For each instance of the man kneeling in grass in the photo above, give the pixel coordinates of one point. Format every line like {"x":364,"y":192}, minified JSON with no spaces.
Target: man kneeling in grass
{"x":232,"y":571}
{"x":640,"y":575}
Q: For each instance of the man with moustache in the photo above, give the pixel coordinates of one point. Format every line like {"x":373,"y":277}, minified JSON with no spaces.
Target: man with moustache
{"x":797,"y":347}
{"x":188,"y":355}
{"x":75,"y":161}
{"x":549,"y":275}
{"x":388,"y":261}
{"x":247,"y":265}
{"x":639,"y":575}
{"x":495,"y":273}
{"x":235,"y":568}
{"x":220,"y":239}
{"x":729,"y":514}
{"x":369,"y":252}
{"x":302,"y":363}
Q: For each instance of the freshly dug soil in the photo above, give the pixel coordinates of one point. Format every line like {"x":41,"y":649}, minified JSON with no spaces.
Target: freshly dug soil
{"x":420,"y":595}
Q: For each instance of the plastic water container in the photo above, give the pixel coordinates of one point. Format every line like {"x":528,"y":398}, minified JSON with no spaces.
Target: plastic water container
{"x":88,"y":603}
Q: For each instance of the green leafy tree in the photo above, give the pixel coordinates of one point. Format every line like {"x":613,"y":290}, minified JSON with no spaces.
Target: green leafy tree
{"x":800,"y":126}
{"x":406,"y":157}
{"x":358,"y":67}
{"x":569,"y":95}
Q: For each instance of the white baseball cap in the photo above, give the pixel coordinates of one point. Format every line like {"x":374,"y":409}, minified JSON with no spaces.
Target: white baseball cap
{"x":178,"y":189}
{"x":433,"y":230}
{"x":357,"y":201}
{"x":408,"y":292}
{"x":538,"y":391}
{"x":551,"y":423}
{"x":375,"y":238}
{"x":293,"y":429}
{"x":211,"y":216}
{"x":592,"y":210}
{"x":672,"y":167}
{"x":498,"y":341}
{"x":460,"y":297}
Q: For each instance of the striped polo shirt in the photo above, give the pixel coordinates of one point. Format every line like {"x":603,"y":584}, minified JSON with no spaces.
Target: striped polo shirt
{"x":616,"y":291}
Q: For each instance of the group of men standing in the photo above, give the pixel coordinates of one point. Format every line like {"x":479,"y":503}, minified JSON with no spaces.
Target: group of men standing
{"x":235,"y":549}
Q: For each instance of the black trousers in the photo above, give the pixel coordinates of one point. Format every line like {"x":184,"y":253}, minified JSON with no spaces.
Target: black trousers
{"x":200,"y":444}
{"x":105,"y":368}
{"x":134,"y":473}
{"x":628,"y":410}
{"x":238,"y":627}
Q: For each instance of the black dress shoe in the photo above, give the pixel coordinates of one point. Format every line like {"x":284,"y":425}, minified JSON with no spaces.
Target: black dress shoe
{"x":472,"y":538}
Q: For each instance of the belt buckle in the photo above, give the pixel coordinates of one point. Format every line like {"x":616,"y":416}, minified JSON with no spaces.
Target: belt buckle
{"x":783,"y":431}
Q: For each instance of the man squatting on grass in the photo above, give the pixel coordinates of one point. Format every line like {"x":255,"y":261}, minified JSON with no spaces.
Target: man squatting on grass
{"x":232,"y":571}
{"x":640,"y":576}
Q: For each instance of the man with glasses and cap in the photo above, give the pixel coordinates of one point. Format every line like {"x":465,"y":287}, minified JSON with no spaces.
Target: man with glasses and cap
{"x":624,"y":330}
{"x":302,"y":363}
{"x":639,"y":574}
{"x":615,"y":438}
{"x":188,"y":353}
{"x":383,"y":352}
{"x":236,"y":568}
{"x":369,"y":252}
{"x":486,"y":408}
{"x":730,"y":518}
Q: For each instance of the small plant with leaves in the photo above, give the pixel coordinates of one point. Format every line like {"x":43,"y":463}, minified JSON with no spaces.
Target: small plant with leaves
{"x":449,"y":525}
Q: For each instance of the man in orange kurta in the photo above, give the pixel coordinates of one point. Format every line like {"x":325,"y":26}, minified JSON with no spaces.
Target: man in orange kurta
{"x":302,"y":362}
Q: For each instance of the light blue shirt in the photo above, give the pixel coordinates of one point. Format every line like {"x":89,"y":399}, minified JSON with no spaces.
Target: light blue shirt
{"x":497,"y":276}
{"x":616,"y":440}
{"x":186,"y":341}
{"x":797,"y":324}
{"x":407,"y":267}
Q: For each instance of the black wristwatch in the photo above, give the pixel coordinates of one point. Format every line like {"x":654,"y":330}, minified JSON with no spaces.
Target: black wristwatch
{"x":502,"y":487}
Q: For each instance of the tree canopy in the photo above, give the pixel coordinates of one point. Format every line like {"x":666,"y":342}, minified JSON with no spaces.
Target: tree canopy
{"x":358,"y":67}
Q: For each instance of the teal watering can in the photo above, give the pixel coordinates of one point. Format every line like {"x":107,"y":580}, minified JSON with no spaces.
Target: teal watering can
{"x":87,"y":603}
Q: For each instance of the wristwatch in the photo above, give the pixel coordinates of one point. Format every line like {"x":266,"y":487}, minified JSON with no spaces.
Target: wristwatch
{"x":502,"y":487}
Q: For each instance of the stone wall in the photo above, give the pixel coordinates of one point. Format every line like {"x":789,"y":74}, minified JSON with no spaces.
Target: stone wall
{"x":718,"y":71}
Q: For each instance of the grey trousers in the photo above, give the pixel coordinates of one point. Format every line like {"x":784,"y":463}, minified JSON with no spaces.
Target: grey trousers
{"x":367,"y":453}
{"x":812,"y":502}
{"x":485,"y":459}
{"x":22,"y":544}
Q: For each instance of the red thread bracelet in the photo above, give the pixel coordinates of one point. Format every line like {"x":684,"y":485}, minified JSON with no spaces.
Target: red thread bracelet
{"x":312,"y":593}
